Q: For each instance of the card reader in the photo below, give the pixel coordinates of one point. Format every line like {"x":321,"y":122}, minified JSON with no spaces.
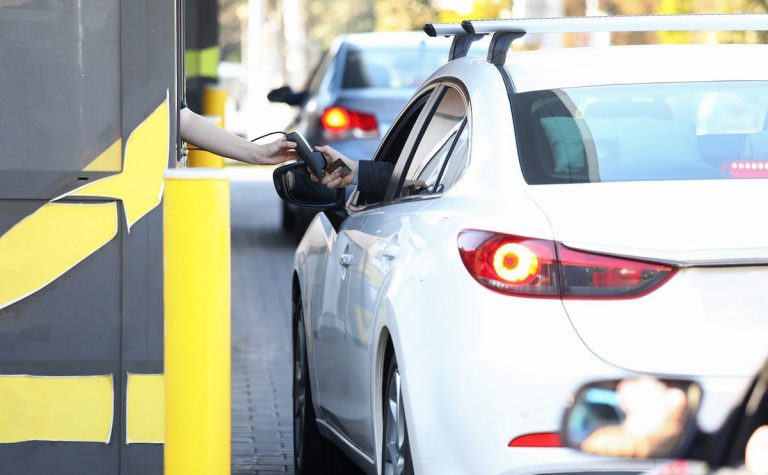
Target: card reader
{"x":313,"y":159}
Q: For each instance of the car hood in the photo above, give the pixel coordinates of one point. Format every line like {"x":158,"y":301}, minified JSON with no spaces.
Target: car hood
{"x":711,"y":317}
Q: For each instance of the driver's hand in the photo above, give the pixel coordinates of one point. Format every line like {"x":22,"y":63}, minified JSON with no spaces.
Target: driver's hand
{"x":334,"y":179}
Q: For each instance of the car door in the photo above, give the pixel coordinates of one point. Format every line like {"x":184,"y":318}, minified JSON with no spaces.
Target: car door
{"x":335,"y":381}
{"x":329,"y":324}
{"x":390,"y":240}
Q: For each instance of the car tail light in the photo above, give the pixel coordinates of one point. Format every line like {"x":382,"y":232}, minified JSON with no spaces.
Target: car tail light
{"x":510,"y":264}
{"x":517,"y":265}
{"x":339,"y":122}
{"x":748,"y":169}
{"x":586,"y":275}
{"x":542,"y":439}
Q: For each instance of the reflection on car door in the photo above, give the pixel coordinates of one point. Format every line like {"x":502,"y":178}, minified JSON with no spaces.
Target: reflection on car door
{"x":389,"y":243}
{"x":330,"y":325}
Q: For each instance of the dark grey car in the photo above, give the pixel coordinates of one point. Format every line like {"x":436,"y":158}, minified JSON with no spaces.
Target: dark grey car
{"x":356,"y":92}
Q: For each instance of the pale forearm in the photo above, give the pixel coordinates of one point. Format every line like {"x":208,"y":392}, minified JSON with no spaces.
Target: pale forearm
{"x":199,"y":132}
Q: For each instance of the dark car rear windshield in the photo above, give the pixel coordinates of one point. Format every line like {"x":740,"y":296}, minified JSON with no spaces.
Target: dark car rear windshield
{"x":680,"y":131}
{"x":403,"y":67}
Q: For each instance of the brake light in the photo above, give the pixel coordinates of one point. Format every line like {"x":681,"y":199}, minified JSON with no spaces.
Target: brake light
{"x":517,"y":265}
{"x":339,"y":122}
{"x":750,"y":169}
{"x":510,"y":264}
{"x":542,"y":439}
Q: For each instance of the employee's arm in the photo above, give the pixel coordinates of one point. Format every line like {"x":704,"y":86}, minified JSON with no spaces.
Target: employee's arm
{"x":198,"y":131}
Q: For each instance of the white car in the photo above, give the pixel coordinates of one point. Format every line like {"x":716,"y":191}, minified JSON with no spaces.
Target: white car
{"x":589,"y":213}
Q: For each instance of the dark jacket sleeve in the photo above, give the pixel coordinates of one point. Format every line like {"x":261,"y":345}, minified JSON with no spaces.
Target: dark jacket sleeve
{"x":373,"y":178}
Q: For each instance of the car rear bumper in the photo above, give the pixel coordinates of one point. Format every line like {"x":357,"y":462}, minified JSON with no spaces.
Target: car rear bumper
{"x":481,"y":370}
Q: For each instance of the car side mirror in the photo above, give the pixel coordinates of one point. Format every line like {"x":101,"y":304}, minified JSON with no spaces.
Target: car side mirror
{"x":293,"y":184}
{"x":286,"y":95}
{"x":641,"y":417}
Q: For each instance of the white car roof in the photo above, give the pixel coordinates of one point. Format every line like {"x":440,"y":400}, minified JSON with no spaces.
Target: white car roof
{"x":589,"y":66}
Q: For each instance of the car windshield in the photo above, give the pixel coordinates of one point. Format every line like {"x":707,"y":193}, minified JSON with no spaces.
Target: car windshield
{"x":403,"y":67}
{"x":634,"y":132}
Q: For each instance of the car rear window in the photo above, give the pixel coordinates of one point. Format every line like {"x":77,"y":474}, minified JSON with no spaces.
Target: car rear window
{"x":635,"y":132}
{"x":391,"y":67}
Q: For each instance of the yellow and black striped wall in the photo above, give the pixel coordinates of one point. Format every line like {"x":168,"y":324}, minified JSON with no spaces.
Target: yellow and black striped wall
{"x":88,"y":126}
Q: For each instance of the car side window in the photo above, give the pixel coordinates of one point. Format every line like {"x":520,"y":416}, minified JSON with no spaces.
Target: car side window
{"x":441,"y":153}
{"x":392,"y":148}
{"x":457,"y":162}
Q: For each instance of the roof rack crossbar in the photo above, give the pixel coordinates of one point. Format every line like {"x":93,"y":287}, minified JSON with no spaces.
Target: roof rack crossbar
{"x":443,"y":29}
{"x":462,"y":40}
{"x":704,"y":22}
{"x":506,"y":31}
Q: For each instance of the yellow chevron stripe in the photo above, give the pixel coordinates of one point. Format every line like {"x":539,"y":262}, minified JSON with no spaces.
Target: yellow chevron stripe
{"x":77,"y":409}
{"x":49,"y":242}
{"x":110,"y":160}
{"x":140,"y":185}
{"x":145,"y":409}
{"x":58,"y":236}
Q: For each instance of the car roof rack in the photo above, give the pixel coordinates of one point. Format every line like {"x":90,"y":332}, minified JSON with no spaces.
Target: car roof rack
{"x":508,"y":30}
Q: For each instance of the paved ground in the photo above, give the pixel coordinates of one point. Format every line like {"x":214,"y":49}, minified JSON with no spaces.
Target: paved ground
{"x":262,"y":422}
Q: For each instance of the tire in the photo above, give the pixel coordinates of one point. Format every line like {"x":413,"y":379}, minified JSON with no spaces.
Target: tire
{"x":313,"y":454}
{"x":396,"y":447}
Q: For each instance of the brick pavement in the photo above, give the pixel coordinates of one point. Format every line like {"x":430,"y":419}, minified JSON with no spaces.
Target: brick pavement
{"x":262,"y":421}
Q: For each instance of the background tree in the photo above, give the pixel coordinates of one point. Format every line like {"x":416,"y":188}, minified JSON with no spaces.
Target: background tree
{"x":404,"y":15}
{"x":481,"y":9}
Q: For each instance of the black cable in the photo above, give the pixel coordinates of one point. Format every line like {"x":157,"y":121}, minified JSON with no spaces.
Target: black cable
{"x":252,"y":140}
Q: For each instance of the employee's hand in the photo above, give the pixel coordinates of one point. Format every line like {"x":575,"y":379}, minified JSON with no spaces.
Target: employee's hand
{"x":335,"y":179}
{"x":273,"y":153}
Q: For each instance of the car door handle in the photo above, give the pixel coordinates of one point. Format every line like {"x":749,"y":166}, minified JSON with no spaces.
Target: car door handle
{"x":391,"y":252}
{"x":346,"y":260}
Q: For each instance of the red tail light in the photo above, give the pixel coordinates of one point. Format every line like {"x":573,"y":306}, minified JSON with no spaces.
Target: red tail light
{"x":542,"y":439}
{"x":339,"y":123}
{"x":529,"y":267}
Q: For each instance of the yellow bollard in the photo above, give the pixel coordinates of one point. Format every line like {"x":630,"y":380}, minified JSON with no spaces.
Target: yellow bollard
{"x":214,"y":108}
{"x":215,"y":102}
{"x":203,"y":158}
{"x":196,"y":242}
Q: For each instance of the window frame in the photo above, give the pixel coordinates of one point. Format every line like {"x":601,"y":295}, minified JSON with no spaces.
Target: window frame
{"x":403,"y":166}
{"x":424,"y":102}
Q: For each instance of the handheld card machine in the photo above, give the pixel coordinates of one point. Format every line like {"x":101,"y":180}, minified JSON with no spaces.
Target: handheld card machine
{"x":313,"y":159}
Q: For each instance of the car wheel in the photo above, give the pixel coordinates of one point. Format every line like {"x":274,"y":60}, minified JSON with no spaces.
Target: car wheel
{"x":396,"y":450}
{"x":308,"y":444}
